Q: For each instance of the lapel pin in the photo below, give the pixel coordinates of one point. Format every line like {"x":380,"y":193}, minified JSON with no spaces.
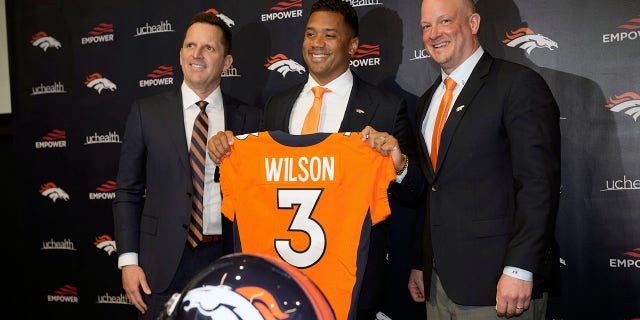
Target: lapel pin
{"x":359,"y":111}
{"x":459,"y":108}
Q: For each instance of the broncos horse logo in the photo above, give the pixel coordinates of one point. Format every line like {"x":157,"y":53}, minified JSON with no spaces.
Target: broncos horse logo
{"x":628,"y":102}
{"x":526,"y":39}
{"x":105,"y":243}
{"x":230,"y":23}
{"x":284,"y":65}
{"x":53,"y":192}
{"x":98,"y":82}
{"x":244,"y":303}
{"x":42,"y":40}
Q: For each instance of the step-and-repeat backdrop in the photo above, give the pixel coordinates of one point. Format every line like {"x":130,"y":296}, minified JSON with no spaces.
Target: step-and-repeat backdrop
{"x":76,"y":66}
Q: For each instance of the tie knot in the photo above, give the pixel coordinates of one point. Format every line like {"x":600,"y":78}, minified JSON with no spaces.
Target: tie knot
{"x":319,"y":91}
{"x":449,"y":83}
{"x":202,"y":105}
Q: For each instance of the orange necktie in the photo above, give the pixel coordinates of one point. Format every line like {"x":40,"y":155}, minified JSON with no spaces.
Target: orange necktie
{"x":443,"y":111}
{"x":313,"y":116}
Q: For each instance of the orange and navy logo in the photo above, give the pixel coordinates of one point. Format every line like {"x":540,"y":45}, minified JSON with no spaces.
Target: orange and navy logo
{"x":527,"y":40}
{"x":281,"y":63}
{"x":98,"y":82}
{"x":628,"y":103}
{"x":218,"y":302}
{"x":224,"y":18}
{"x":44,"y":41}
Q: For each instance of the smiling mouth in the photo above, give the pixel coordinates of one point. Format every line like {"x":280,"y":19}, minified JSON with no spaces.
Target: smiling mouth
{"x":197,"y":66}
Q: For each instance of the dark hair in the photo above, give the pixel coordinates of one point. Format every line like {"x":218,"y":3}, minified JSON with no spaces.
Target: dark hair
{"x":342,"y":7}
{"x":212,"y":19}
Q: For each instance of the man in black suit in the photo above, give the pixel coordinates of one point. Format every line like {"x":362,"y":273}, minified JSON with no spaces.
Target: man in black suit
{"x":331,"y":37}
{"x":486,"y":246}
{"x":153,"y":204}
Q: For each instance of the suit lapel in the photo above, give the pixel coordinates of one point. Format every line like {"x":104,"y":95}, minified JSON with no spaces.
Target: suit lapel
{"x":462,"y":104}
{"x":173,"y":118}
{"x":360,"y":108}
{"x":421,"y":111}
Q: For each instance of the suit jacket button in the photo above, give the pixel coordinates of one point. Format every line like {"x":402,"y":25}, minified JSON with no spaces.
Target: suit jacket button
{"x":184,"y":226}
{"x":435,"y":188}
{"x":189,"y":194}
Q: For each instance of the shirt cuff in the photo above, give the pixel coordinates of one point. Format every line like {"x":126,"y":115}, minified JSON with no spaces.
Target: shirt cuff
{"x":518,"y":273}
{"x":127,"y":258}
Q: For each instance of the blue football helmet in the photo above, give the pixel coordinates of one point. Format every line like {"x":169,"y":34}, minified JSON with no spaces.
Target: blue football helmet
{"x":249,"y":287}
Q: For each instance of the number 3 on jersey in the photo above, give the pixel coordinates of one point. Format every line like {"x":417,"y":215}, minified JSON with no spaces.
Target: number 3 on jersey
{"x":306,"y":200}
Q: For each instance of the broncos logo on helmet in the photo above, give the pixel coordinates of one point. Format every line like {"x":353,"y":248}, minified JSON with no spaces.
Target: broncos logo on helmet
{"x":249,"y":287}
{"x":42,"y":40}
{"x":527,"y":40}
{"x":243,"y":303}
{"x":98,"y":82}
{"x":53,"y":192}
{"x":284,"y":65}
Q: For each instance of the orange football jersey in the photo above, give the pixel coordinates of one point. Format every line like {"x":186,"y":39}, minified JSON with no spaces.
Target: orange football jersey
{"x":310,"y":200}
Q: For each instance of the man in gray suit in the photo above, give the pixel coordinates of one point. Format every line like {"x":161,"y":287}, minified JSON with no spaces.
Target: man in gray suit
{"x":153,"y":204}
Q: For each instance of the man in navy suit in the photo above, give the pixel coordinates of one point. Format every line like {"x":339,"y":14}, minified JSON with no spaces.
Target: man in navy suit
{"x":153,"y":203}
{"x":486,"y":246}
{"x":330,"y":39}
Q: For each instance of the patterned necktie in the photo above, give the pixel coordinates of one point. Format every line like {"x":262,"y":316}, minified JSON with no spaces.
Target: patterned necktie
{"x":313,"y":116}
{"x":441,"y":118}
{"x":197,"y":158}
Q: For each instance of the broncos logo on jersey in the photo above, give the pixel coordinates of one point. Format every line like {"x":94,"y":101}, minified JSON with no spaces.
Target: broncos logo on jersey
{"x":284,"y":65}
{"x":243,"y":303}
{"x":526,"y":39}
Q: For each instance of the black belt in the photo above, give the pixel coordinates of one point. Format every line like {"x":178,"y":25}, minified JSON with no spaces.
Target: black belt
{"x":208,"y":238}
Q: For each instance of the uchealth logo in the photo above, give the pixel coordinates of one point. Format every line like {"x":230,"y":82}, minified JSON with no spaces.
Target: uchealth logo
{"x":281,"y":63}
{"x":420,"y":54}
{"x":98,"y":82}
{"x":65,"y":294}
{"x":231,"y":72}
{"x":222,"y":16}
{"x":53,"y":192}
{"x":163,"y":26}
{"x":622,"y":184}
{"x":363,"y":3}
{"x":106,"y":243}
{"x":44,"y":41}
{"x":527,"y":40}
{"x":218,"y":302}
{"x":366,"y":55}
{"x":109,"y":137}
{"x":55,"y":139}
{"x":628,"y":103}
{"x":103,"y":32}
{"x":161,"y":76}
{"x":65,"y":244}
{"x":111,"y":299}
{"x":104,"y":192}
{"x":631,"y":259}
{"x":283,"y":10}
{"x":56,"y":87}
{"x":630,"y":31}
